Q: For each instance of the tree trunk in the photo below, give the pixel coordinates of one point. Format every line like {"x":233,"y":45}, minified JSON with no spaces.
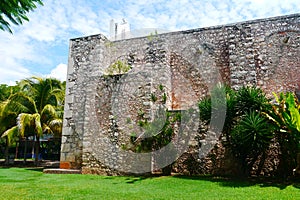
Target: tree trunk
{"x":25,"y":150}
{"x":17,"y":148}
{"x":37,"y":150}
{"x":6,"y":152}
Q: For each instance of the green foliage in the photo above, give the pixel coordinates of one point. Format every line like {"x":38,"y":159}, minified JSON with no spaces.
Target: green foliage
{"x":156,"y":134}
{"x":221,"y":97}
{"x":15,"y":11}
{"x":21,"y":103}
{"x":251,"y":99}
{"x":140,"y":113}
{"x":36,"y":108}
{"x":11,"y":134}
{"x":43,"y":91}
{"x":250,"y":138}
{"x":160,"y":87}
{"x":164,"y":98}
{"x":6,"y":91}
{"x":152,"y":36}
{"x":247,"y":132}
{"x":128,"y":120}
{"x":285,"y":114}
{"x":7,"y":117}
{"x":153,"y":97}
{"x":237,"y":104}
{"x":205,"y":109}
{"x":118,"y":67}
{"x":285,"y":117}
{"x":109,"y":44}
{"x":142,"y":123}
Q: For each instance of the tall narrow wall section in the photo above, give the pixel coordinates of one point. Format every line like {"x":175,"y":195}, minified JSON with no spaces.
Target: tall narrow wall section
{"x":262,"y":52}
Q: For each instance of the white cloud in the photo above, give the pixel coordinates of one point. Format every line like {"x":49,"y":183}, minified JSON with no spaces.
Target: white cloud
{"x":59,"y":72}
{"x":15,"y":72}
{"x":52,"y":25}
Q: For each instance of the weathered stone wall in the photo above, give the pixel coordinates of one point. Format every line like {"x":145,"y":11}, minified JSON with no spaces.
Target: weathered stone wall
{"x":101,"y":111}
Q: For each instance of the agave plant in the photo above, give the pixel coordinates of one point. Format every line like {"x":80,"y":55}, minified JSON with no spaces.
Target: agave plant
{"x":245,"y":129}
{"x":251,"y":99}
{"x":250,"y":139}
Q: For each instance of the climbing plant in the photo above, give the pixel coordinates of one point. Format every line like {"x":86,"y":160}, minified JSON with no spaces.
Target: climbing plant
{"x":118,"y":67}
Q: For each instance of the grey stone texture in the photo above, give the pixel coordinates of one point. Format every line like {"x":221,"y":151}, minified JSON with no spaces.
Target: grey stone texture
{"x":102,"y":110}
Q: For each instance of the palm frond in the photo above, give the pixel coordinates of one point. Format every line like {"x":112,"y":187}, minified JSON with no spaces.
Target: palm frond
{"x":47,"y":129}
{"x":11,"y":134}
{"x":48,"y":113}
{"x":21,"y":103}
{"x":38,"y":125}
{"x":44,"y":91}
{"x":56,"y":126}
{"x":24,"y":120}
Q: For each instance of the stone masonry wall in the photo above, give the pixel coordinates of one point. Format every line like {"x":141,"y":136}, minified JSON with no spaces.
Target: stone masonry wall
{"x":171,"y":71}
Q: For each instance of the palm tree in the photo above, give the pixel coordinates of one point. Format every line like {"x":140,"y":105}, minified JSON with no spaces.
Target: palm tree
{"x":7,"y":121}
{"x":37,"y":104}
{"x":7,"y":117}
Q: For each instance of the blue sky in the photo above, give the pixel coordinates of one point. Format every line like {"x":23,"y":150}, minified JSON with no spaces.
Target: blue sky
{"x":40,"y":47}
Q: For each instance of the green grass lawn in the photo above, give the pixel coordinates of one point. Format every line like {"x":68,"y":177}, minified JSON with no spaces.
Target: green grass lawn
{"x":26,"y":183}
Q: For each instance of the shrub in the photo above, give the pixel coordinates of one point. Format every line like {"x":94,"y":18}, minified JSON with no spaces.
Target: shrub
{"x":250,"y":139}
{"x":251,"y":99}
{"x":247,"y":132}
{"x":285,"y":118}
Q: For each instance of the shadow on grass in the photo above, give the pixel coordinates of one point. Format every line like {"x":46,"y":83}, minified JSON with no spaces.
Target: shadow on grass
{"x":17,"y":164}
{"x":233,"y":182}
{"x":131,"y":179}
{"x":243,"y":182}
{"x":37,"y":169}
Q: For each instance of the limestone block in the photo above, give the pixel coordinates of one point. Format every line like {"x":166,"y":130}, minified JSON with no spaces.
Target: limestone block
{"x":68,"y":113}
{"x":70,"y":157}
{"x":67,"y":131}
{"x":66,"y":147}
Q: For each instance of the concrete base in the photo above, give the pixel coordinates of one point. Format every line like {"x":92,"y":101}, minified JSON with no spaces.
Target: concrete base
{"x":62,"y":171}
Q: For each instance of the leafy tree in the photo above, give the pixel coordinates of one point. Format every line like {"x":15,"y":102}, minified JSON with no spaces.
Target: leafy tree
{"x":15,"y":11}
{"x":6,"y":91}
{"x":7,"y":121}
{"x":36,"y":107}
{"x":7,"y":117}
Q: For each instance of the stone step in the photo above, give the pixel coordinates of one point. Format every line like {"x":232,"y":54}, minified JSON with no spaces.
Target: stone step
{"x":61,"y":171}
